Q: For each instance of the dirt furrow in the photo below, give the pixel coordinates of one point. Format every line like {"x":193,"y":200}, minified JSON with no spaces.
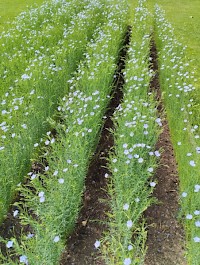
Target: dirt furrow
{"x":165,"y":234}
{"x":91,"y":224}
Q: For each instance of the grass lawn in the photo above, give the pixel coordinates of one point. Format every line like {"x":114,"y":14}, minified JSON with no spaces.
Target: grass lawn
{"x":9,"y":9}
{"x":184,"y":17}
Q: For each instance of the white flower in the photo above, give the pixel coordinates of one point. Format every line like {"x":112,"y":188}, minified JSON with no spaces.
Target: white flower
{"x":65,"y":169}
{"x":106,"y":175}
{"x":9,"y":244}
{"x":36,"y":145}
{"x":152,"y":184}
{"x":126,"y":152}
{"x":33,"y":176}
{"x":192,"y":163}
{"x":196,"y":239}
{"x":114,"y":160}
{"x":52,"y":140}
{"x":61,"y":181}
{"x":55,"y":173}
{"x":157,"y":153}
{"x":41,"y":194}
{"x":1,"y":148}
{"x":47,"y":142}
{"x":198,"y":150}
{"x":15,"y":213}
{"x":125,"y":145}
{"x":126,"y":206}
{"x":25,"y":77}
{"x":129,"y":223}
{"x":56,"y":239}
{"x":23,"y":259}
{"x":24,"y":126}
{"x":30,"y":235}
{"x":150,"y":169}
{"x":137,"y":199}
{"x":97,"y":244}
{"x":184,"y":194}
{"x":196,"y":212}
{"x":189,"y":216}
{"x":197,"y":223}
{"x":196,"y":188}
{"x":189,"y":154}
{"x":46,"y":168}
{"x":32,"y":92}
{"x":140,"y":160}
{"x":42,"y":199}
{"x":130,"y":247}
{"x":179,"y":143}
{"x":127,"y":261}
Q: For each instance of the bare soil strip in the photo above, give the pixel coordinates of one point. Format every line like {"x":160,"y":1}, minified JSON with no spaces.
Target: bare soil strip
{"x":91,"y":224}
{"x":165,"y":234}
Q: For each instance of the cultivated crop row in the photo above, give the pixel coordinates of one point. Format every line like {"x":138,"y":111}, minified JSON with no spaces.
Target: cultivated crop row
{"x":33,"y":34}
{"x":179,"y":96}
{"x":134,"y":160}
{"x":53,"y":197}
{"x":34,"y":95}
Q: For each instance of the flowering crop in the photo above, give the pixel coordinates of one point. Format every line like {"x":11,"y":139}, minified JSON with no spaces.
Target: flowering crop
{"x":33,"y":95}
{"x":134,"y":158}
{"x":55,"y":196}
{"x":177,"y":84}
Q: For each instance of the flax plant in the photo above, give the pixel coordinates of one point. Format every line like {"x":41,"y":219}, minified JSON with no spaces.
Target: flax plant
{"x":135,"y":158}
{"x":32,"y":35}
{"x":35,"y":97}
{"x":54,"y":197}
{"x":177,"y":84}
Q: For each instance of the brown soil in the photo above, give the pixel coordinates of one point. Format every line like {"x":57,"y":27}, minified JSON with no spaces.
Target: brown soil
{"x":165,"y":234}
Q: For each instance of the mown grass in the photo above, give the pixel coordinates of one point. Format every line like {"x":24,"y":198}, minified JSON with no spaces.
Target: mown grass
{"x":184,"y":17}
{"x":9,"y":9}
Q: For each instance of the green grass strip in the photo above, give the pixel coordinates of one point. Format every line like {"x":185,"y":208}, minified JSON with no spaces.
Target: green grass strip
{"x":56,"y":199}
{"x":9,"y":10}
{"x":177,"y":84}
{"x":135,"y":157}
